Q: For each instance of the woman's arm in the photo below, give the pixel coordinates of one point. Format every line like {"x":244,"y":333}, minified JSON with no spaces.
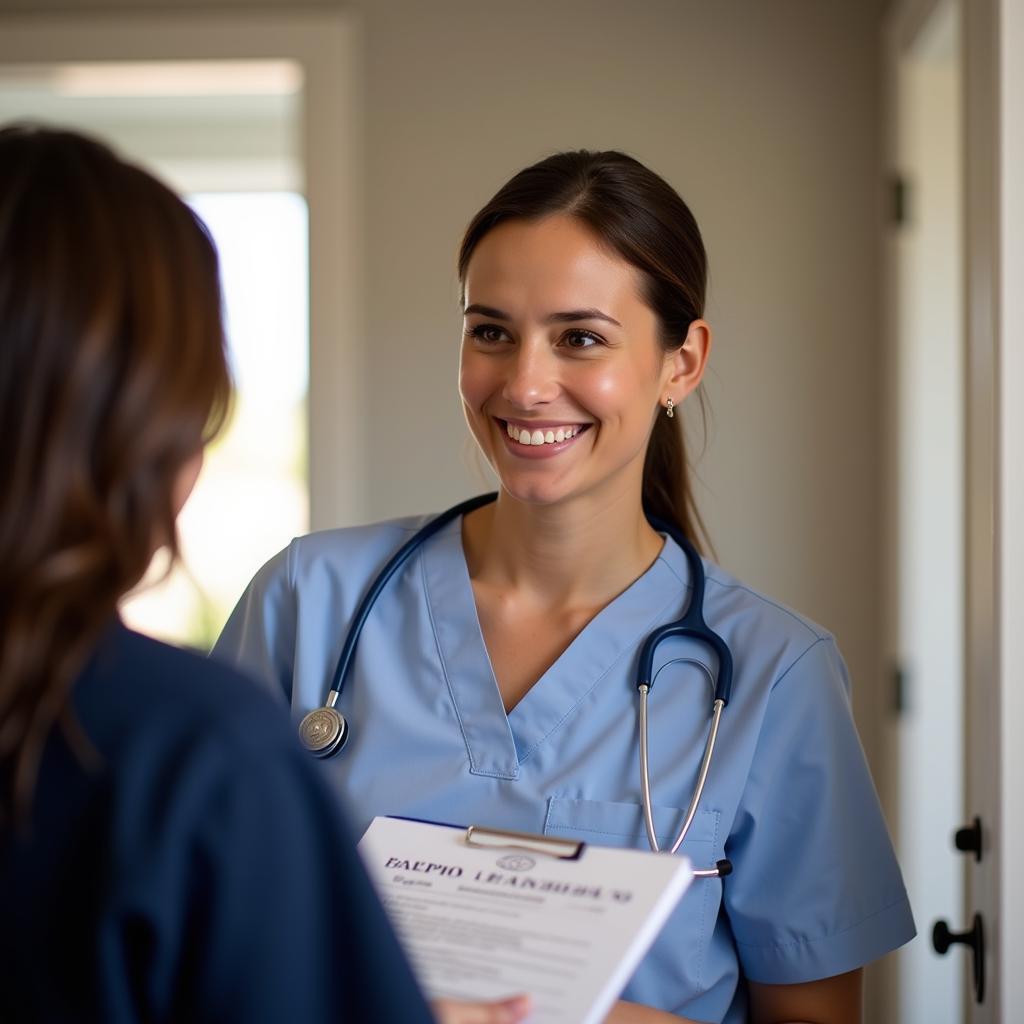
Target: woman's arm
{"x":835,"y":1000}
{"x":502,"y":1011}
{"x":450,"y":1011}
{"x":634,"y":1013}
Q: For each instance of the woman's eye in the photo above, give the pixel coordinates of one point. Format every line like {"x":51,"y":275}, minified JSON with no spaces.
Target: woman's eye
{"x":489,"y":333}
{"x":581,"y":340}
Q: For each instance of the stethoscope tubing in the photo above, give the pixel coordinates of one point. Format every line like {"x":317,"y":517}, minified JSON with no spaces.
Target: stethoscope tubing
{"x":691,"y":625}
{"x":324,"y":730}
{"x":397,"y":560}
{"x":702,"y":775}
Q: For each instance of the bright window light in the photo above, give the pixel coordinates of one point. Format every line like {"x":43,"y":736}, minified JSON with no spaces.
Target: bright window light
{"x":178,"y":78}
{"x":252,"y":496}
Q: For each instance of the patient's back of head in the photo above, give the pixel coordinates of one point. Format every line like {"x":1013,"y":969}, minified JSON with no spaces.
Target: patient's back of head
{"x":112,"y":372}
{"x":166,"y":850}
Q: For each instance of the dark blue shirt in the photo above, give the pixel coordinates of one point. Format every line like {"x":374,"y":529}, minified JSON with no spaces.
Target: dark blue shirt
{"x":199,"y":870}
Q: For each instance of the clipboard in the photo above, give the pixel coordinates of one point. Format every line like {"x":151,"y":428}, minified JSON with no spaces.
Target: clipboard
{"x":487,"y":838}
{"x":485,"y":913}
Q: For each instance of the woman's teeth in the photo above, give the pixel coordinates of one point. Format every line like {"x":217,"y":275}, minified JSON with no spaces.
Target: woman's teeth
{"x":547,"y":436}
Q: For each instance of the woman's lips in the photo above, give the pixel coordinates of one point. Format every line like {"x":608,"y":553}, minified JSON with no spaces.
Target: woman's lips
{"x":539,"y":440}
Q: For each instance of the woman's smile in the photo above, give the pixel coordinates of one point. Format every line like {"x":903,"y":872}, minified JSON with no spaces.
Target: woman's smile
{"x":539,"y":439}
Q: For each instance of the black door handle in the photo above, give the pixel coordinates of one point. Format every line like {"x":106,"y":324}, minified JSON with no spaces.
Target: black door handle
{"x":943,"y":938}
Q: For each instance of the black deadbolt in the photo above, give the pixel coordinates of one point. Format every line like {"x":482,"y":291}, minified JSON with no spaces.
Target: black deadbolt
{"x":968,"y":839}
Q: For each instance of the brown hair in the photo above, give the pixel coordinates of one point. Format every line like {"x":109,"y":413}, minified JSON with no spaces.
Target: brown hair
{"x":642,"y":218}
{"x":113,"y":373}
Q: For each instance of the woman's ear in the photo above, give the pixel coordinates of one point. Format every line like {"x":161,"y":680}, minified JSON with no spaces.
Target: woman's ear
{"x":684,"y":366}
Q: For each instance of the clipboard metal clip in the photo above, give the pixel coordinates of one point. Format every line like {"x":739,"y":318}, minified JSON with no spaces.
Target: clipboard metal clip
{"x":529,"y":842}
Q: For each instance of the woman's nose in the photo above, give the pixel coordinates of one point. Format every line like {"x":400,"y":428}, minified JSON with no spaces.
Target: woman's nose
{"x":532,"y":377}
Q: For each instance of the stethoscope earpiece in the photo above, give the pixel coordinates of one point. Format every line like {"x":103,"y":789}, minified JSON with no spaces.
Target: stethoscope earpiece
{"x":323,"y":731}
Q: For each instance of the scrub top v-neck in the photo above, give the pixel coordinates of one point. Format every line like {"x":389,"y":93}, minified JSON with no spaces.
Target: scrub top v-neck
{"x":816,"y":890}
{"x":503,"y":740}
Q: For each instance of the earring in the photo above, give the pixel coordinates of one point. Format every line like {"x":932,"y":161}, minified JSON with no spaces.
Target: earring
{"x":669,"y":404}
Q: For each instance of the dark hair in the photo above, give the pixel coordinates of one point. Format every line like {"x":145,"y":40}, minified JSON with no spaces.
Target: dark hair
{"x":642,"y":218}
{"x":113,"y":373}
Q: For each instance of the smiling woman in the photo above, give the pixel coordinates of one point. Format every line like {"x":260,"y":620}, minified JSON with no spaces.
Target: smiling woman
{"x":493,"y":679}
{"x":598,"y":228}
{"x":535,"y":362}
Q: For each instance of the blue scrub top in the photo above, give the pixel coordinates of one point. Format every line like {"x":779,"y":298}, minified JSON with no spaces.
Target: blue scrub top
{"x":816,"y":890}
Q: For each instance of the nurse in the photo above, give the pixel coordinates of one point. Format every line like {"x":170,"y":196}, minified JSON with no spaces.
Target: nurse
{"x":494,"y":681}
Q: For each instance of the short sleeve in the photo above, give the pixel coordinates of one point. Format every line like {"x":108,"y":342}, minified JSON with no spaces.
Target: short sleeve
{"x":815,"y":890}
{"x":259,"y":636}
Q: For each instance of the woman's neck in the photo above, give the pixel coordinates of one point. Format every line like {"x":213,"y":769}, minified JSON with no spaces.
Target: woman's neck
{"x":578,"y":553}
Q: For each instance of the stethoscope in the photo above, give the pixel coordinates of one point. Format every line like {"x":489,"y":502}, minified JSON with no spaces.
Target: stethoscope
{"x":324,"y":731}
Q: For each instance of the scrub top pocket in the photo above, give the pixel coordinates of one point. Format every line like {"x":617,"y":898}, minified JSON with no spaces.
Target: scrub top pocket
{"x":617,"y":824}
{"x":680,"y":950}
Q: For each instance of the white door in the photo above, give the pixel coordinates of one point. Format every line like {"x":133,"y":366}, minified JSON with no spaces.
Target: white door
{"x":956,"y":510}
{"x":928,"y":419}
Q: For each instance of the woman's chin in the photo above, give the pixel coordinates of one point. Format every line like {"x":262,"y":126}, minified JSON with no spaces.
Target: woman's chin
{"x":535,"y":492}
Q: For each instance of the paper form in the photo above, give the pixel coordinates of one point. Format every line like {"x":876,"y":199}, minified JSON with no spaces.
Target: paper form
{"x":484,"y":923}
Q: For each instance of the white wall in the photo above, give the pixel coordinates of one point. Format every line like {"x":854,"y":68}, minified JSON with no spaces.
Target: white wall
{"x":764,"y":116}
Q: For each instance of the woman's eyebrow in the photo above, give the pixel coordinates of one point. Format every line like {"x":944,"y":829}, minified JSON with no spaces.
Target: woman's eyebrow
{"x":494,"y":314}
{"x":580,"y":314}
{"x":569,"y":316}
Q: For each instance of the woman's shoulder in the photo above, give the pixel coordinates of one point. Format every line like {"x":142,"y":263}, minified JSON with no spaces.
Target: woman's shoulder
{"x":139,"y":692}
{"x":752,"y":621}
{"x":771,"y":643}
{"x":735,"y":597}
{"x":370,"y":538}
{"x":351,"y":550}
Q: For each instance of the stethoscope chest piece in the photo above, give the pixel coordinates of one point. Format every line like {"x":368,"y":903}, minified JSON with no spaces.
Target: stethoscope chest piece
{"x":323,"y":731}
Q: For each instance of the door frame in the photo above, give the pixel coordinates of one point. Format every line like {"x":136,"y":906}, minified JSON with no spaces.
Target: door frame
{"x":1009,"y":515}
{"x":982,"y":690}
{"x":327,"y":46}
